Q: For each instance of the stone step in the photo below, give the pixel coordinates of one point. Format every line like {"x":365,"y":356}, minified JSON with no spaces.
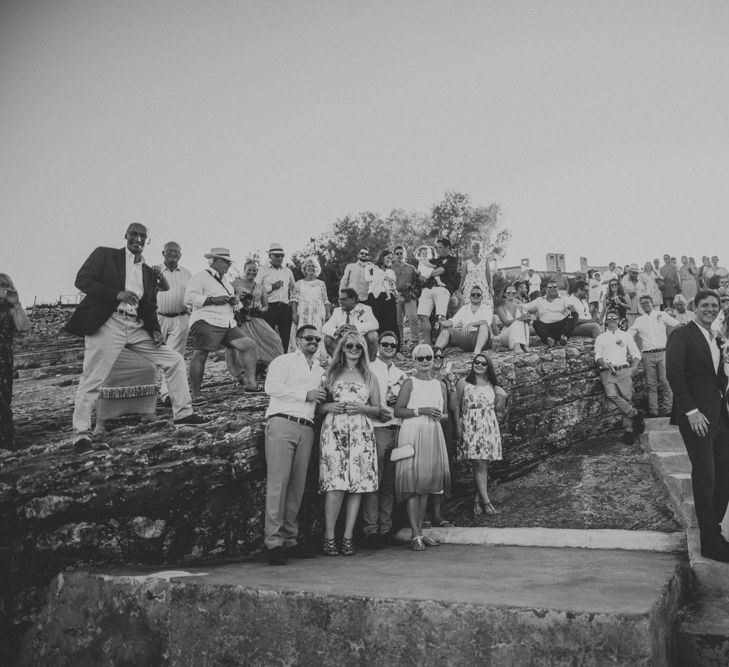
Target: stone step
{"x":679,"y":486}
{"x":451,"y":605}
{"x":712,"y":577}
{"x":702,"y":637}
{"x":667,"y":463}
{"x":662,"y":441}
{"x":658,"y":424}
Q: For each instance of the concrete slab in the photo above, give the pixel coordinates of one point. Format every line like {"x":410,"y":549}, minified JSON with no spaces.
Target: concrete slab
{"x":663,"y":441}
{"x":703,"y":634}
{"x":658,"y":424}
{"x":670,"y":462}
{"x":712,"y":576}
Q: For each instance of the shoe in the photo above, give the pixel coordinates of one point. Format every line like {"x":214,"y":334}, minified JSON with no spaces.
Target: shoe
{"x":82,"y":443}
{"x":430,"y":541}
{"x":488,"y":508}
{"x":427,"y":524}
{"x":192,"y":420}
{"x":550,"y":341}
{"x":563,"y":340}
{"x":166,"y":402}
{"x":196,"y":400}
{"x":444,"y":524}
{"x":639,"y":422}
{"x":387,"y":539}
{"x":329,"y":547}
{"x":347,"y":547}
{"x":277,"y":556}
{"x":374,"y":541}
{"x":628,"y":438}
{"x":299,"y":551}
{"x":416,"y":544}
{"x":718,"y":552}
{"x":257,"y":389}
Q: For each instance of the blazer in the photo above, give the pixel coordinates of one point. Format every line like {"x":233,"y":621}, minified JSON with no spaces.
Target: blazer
{"x":690,"y":372}
{"x":101,"y":278}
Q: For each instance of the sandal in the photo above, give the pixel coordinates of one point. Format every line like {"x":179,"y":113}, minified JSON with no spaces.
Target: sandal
{"x":329,"y":547}
{"x":430,"y":541}
{"x":444,"y":524}
{"x":416,"y":544}
{"x":347,"y":547}
{"x":489,"y":508}
{"x":477,"y":508}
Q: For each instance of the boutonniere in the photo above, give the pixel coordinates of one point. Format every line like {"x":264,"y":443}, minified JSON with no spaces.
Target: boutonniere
{"x":620,"y":343}
{"x":358,"y":310}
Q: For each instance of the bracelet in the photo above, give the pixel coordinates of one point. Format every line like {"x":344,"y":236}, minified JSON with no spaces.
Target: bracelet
{"x":416,"y":411}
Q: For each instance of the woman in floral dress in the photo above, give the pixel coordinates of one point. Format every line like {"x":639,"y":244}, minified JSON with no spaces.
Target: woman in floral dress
{"x":480,"y":396}
{"x":12,"y":318}
{"x":347,"y":450}
{"x":309,"y":302}
{"x":478,"y":272}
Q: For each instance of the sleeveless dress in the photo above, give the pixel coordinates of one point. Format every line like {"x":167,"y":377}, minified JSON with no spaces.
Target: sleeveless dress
{"x":480,"y":435}
{"x":312,"y":299}
{"x":427,"y":471}
{"x":347,"y":450}
{"x":268,"y":342}
{"x":476,"y":276}
{"x":689,"y":285}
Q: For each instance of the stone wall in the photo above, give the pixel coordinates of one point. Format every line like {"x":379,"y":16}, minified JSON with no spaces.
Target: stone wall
{"x":152,"y":494}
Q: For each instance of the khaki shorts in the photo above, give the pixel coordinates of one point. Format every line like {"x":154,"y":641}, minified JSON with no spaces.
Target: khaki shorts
{"x":434,"y":297}
{"x":207,"y":337}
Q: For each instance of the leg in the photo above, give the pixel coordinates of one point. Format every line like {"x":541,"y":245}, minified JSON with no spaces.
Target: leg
{"x":482,"y":338}
{"x":425,"y":308}
{"x":443,"y":339}
{"x":414,"y":518}
{"x":297,"y":482}
{"x":246,"y":348}
{"x":371,"y":501}
{"x":197,"y":370}
{"x":543,"y":331}
{"x":284,"y":325}
{"x":424,"y":329}
{"x":665,"y":387}
{"x":174,"y":331}
{"x":612,"y":393}
{"x":567,"y":325}
{"x":332,"y":505}
{"x":411,"y":312}
{"x":350,"y":518}
{"x":280,"y":447}
{"x":400,"y":305}
{"x":650,"y":367}
{"x":721,"y":468}
{"x":481,"y":479}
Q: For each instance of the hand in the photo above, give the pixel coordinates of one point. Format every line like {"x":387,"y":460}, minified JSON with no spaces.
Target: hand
{"x":433,"y":413}
{"x":157,"y":338}
{"x":385,"y":414}
{"x":317,"y":395}
{"x":234,"y":300}
{"x":392,"y":399}
{"x":354,"y":408}
{"x":277,"y":284}
{"x":127,"y":296}
{"x":11,"y":296}
{"x":699,"y":423}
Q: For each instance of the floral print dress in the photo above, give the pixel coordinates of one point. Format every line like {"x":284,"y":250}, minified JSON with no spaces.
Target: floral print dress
{"x":347,"y":450}
{"x":476,"y":276}
{"x":480,"y":435}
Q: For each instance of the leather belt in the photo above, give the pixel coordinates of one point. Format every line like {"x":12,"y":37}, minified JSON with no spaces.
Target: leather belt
{"x":619,"y":368}
{"x":298,"y":420}
{"x":184,"y":312}
{"x":126,"y":313}
{"x":655,"y":349}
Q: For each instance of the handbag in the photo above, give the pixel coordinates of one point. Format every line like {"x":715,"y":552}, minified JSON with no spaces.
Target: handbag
{"x":402,"y":452}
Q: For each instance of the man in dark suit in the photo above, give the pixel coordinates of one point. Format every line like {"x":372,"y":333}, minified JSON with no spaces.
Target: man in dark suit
{"x":695,"y":372}
{"x":118,"y":311}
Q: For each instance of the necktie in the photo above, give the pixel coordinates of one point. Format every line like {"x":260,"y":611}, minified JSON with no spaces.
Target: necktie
{"x":347,"y":320}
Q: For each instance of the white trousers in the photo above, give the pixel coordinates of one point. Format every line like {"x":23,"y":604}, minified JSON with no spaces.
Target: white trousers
{"x":100,"y":352}
{"x":174,"y":334}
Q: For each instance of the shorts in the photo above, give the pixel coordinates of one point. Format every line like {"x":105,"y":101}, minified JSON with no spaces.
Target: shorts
{"x":465,"y":339}
{"x":434,"y":297}
{"x":208,"y":337}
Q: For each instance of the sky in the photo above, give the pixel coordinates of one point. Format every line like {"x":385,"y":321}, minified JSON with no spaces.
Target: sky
{"x":600,"y":128}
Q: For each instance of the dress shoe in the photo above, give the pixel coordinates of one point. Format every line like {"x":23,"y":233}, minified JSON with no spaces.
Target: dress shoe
{"x":374,"y":541}
{"x":639,"y":422}
{"x":192,"y":420}
{"x":82,"y":443}
{"x":277,"y":556}
{"x":628,"y":438}
{"x":299,"y":551}
{"x":719,"y":552}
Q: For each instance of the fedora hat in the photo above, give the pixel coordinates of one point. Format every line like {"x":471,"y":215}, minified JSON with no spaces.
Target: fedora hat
{"x":276,"y":247}
{"x":219,"y":253}
{"x":633,"y":267}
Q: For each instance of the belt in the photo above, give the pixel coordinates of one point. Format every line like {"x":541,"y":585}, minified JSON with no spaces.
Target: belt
{"x":390,"y":427}
{"x":125,"y":313}
{"x":298,"y":420}
{"x":184,"y":312}
{"x":620,"y":368}
{"x":655,"y":349}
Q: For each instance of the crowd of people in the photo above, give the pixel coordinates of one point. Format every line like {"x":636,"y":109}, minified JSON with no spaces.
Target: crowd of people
{"x":386,"y":436}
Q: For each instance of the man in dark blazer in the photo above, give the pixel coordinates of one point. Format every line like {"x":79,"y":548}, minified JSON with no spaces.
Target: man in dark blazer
{"x":119,"y":310}
{"x":695,"y":372}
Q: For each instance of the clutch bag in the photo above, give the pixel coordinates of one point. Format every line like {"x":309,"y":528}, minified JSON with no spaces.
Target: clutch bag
{"x":402,"y":452}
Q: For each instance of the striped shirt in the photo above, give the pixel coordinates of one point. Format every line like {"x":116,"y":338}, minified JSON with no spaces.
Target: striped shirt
{"x":173,"y":300}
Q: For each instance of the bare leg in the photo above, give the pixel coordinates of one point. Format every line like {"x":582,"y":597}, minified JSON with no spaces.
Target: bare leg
{"x":100,"y":426}
{"x":248,"y":356}
{"x":197,"y":370}
{"x":424,"y":322}
{"x":423,"y":502}
{"x":332,"y":505}
{"x":414,"y":516}
{"x":481,"y":478}
{"x":482,"y":337}
{"x":437,"y":503}
{"x":353,"y":501}
{"x":443,"y":339}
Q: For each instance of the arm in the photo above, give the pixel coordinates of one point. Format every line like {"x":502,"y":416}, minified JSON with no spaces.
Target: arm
{"x":279,"y":385}
{"x":88,"y":278}
{"x":676,"y":361}
{"x":295,"y":302}
{"x":460,"y":387}
{"x":344,"y":282}
{"x":162,"y":284}
{"x":401,"y":409}
{"x":325,"y":299}
{"x":264,"y":300}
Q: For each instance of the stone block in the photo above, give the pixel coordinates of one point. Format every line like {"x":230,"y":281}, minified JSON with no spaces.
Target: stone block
{"x":703,"y":634}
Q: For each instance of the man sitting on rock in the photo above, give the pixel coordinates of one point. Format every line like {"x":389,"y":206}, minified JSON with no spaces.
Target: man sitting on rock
{"x":556,"y":319}
{"x":351,"y":315}
{"x":586,"y":324}
{"x":470,"y":327}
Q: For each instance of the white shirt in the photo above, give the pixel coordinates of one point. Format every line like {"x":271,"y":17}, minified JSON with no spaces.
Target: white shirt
{"x":201,"y":286}
{"x":269,"y":275}
{"x":382,"y":281}
{"x":711,"y":340}
{"x":288,"y":380}
{"x":652,"y":329}
{"x":549,"y":311}
{"x":613,"y":348}
{"x":360,"y":316}
{"x":718,"y":324}
{"x":358,"y":276}
{"x":535,"y":283}
{"x":390,"y":381}
{"x":465,"y":316}
{"x":581,"y":306}
{"x":173,"y":300}
{"x":133,"y":280}
{"x":608,"y":276}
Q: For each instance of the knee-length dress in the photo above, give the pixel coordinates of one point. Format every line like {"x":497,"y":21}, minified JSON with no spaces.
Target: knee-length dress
{"x":251,"y":323}
{"x":427,"y":471}
{"x":480,"y":435}
{"x":476,"y":276}
{"x":311,"y":296}
{"x":347,"y":450}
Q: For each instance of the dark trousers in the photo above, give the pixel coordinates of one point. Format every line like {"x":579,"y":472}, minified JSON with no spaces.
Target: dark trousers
{"x":554,"y":330}
{"x":709,"y":476}
{"x":279,"y":317}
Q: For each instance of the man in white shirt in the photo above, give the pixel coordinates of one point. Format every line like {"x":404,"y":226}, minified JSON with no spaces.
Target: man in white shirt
{"x":470,"y":327}
{"x":212,"y":299}
{"x":535,"y":284}
{"x":610,"y":274}
{"x":294,"y":384}
{"x":377,"y":506}
{"x":174,"y":319}
{"x":652,"y":328}
{"x":586,"y":324}
{"x":358,"y":275}
{"x":556,"y":318}
{"x":351,"y":314}
{"x":279,"y":283}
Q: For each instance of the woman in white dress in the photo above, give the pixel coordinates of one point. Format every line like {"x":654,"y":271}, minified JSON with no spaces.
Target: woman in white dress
{"x":382,"y":293}
{"x":421,"y":405}
{"x":309,"y":303}
{"x":515,"y":319}
{"x":477,"y":272}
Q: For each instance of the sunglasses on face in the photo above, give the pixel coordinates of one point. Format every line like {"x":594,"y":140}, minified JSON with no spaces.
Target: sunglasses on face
{"x":511,"y":292}
{"x":311,"y":339}
{"x":353,"y":346}
{"x":392,"y":346}
{"x":480,"y":363}
{"x":438,"y":357}
{"x":476,"y":295}
{"x":426,"y":357}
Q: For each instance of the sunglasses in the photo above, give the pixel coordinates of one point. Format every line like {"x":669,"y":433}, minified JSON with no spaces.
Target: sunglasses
{"x":311,"y":339}
{"x":427,"y":357}
{"x":392,"y":346}
{"x":438,"y":357}
{"x":480,"y":363}
{"x":353,"y":346}
{"x":476,"y":295}
{"x":608,"y":319}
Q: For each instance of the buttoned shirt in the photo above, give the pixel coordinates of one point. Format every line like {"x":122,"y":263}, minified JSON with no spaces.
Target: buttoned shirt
{"x":206,"y":284}
{"x":580,"y":305}
{"x":613,"y":347}
{"x":357,"y":276}
{"x":549,"y":311}
{"x":713,"y":347}
{"x":652,"y":329}
{"x":405,"y":276}
{"x":360,"y":316}
{"x":288,"y":380}
{"x":133,"y":280}
{"x":173,"y":300}
{"x":269,"y":275}
{"x":464,"y":317}
{"x":390,"y":381}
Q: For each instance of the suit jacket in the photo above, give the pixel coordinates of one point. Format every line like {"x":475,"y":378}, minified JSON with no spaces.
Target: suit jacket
{"x":101,"y":278}
{"x":691,"y":374}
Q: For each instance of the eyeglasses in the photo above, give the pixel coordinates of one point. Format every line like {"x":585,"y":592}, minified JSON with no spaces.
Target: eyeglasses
{"x":353,"y":346}
{"x":311,"y":339}
{"x":475,"y":295}
{"x":511,"y":292}
{"x":399,"y":252}
{"x":276,"y":254}
{"x":427,"y":357}
{"x":611,"y":317}
{"x":551,"y":286}
{"x":480,"y":363}
{"x":392,"y":346}
{"x":363,"y":256}
{"x":438,"y":357}
{"x":724,"y":298}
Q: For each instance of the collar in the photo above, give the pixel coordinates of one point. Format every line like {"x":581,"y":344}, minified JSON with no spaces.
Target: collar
{"x":130,"y":255}
{"x":166,"y":268}
{"x":213,"y":272}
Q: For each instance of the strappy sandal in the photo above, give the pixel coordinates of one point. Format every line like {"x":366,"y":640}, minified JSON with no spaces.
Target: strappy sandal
{"x":329,"y":547}
{"x":430,"y":541}
{"x":416,"y":544}
{"x":488,"y":508}
{"x":347,"y":547}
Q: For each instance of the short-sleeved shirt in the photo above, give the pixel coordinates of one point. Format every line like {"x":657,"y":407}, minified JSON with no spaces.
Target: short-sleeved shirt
{"x":449,"y":277}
